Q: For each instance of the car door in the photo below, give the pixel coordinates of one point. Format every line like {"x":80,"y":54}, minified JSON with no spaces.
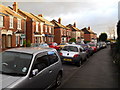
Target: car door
{"x":82,"y":53}
{"x":54,"y":65}
{"x":42,"y":78}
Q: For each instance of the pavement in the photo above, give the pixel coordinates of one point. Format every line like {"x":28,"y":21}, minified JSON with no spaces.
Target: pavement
{"x":98,"y":72}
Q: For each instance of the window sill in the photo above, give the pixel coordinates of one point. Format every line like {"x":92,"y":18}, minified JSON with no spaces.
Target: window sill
{"x":19,"y":28}
{"x":11,"y":27}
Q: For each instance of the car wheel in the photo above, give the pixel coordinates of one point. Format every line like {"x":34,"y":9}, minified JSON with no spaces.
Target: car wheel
{"x":86,"y":58}
{"x":79,"y":63}
{"x":58,"y":80}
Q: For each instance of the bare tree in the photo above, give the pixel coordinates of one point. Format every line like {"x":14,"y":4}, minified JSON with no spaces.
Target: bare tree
{"x":111,"y":32}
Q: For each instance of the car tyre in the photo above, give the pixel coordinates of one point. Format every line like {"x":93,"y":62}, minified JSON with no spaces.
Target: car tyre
{"x":78,"y":64}
{"x":86,"y":58}
{"x":58,"y":80}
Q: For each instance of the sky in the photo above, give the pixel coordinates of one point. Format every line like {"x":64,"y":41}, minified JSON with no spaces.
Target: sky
{"x":100,"y":15}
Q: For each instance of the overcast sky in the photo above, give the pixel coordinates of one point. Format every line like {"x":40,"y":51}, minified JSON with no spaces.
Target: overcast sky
{"x":100,"y":15}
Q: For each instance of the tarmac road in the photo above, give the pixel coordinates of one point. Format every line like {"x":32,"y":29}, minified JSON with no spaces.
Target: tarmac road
{"x":98,"y":72}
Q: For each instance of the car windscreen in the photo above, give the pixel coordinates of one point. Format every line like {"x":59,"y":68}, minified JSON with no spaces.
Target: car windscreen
{"x":62,"y":43}
{"x":70,"y":48}
{"x":92,"y":45}
{"x":15,"y":63}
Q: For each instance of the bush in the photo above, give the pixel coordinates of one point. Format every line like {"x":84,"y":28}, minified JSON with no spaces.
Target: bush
{"x":72,"y":40}
{"x":28,"y":43}
{"x":24,"y":43}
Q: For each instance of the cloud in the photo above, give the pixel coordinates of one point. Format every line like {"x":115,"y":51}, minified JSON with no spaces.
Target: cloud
{"x":99,"y":14}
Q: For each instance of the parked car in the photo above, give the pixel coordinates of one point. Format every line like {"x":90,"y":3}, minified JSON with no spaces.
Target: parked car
{"x":102,"y":45}
{"x":54,"y":45}
{"x":61,"y":45}
{"x":93,"y":46}
{"x":31,"y":68}
{"x":74,"y":54}
{"x":88,"y":49}
{"x":39,"y":45}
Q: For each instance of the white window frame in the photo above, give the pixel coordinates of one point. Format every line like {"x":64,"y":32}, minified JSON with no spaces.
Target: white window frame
{"x":19,"y":23}
{"x":17,"y":40}
{"x":50,"y":29}
{"x":45,"y":28}
{"x":41,"y":26}
{"x":11,"y":22}
{"x":37,"y":26}
{"x":1,"y":21}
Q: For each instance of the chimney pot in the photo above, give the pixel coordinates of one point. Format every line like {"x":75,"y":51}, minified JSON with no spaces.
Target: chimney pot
{"x":88,"y":28}
{"x":15,"y":7}
{"x":59,"y":20}
{"x":74,"y":24}
{"x":40,"y":15}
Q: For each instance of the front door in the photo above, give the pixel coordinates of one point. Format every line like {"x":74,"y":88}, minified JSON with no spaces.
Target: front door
{"x":3,"y":41}
{"x":9,"y":40}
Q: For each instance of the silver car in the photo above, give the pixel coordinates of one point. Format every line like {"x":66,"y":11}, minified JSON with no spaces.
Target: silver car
{"x":31,"y":68}
{"x":73,"y":53}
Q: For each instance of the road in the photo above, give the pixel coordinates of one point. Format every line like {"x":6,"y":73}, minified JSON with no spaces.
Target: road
{"x":97,"y":72}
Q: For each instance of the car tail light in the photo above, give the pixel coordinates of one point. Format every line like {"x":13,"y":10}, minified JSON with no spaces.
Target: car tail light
{"x":60,"y":54}
{"x":76,"y":55}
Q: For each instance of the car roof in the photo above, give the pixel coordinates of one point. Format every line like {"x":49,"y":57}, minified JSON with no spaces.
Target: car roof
{"x":73,"y":45}
{"x":30,"y":50}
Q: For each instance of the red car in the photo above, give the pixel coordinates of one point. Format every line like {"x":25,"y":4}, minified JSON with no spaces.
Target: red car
{"x":54,"y":45}
{"x":93,"y":46}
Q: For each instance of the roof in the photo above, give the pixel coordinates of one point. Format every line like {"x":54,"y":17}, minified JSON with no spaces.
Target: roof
{"x":30,"y":15}
{"x":45,"y":20}
{"x":86,"y":31}
{"x":7,"y":11}
{"x":73,"y":45}
{"x":73,"y":28}
{"x":30,"y":50}
{"x":59,"y":25}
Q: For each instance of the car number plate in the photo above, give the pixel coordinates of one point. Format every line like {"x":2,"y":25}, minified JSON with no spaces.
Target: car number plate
{"x":65,"y":59}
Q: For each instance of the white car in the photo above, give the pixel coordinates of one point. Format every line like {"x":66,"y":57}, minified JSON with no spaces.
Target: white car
{"x":73,"y":53}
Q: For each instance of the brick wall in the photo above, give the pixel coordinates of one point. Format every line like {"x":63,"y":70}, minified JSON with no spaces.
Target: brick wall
{"x":87,"y":37}
{"x":57,"y":33}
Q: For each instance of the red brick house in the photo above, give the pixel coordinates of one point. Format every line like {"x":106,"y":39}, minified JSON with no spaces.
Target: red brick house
{"x":89,"y":35}
{"x":69,"y":33}
{"x":34,"y":26}
{"x":48,"y":29}
{"x":12,"y":28}
{"x":38,"y":29}
{"x":60,"y":32}
{"x":76,"y":33}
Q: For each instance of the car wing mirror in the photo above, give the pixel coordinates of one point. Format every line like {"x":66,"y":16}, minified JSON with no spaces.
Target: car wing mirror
{"x":34,"y":72}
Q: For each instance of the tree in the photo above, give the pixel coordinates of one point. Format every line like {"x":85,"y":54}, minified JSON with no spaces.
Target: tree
{"x":103,"y":37}
{"x":72,"y":40}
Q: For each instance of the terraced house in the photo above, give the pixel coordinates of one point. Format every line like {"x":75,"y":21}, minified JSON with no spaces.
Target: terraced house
{"x":48,"y":29}
{"x":61,"y":32}
{"x":38,"y":29}
{"x":76,"y":33}
{"x":12,"y":28}
{"x":89,"y":35}
{"x":33,"y":26}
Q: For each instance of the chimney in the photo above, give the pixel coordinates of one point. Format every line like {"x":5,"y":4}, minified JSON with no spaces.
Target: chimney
{"x":15,"y":7}
{"x":88,"y":28}
{"x":40,"y":15}
{"x":59,"y":20}
{"x":74,"y":24}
